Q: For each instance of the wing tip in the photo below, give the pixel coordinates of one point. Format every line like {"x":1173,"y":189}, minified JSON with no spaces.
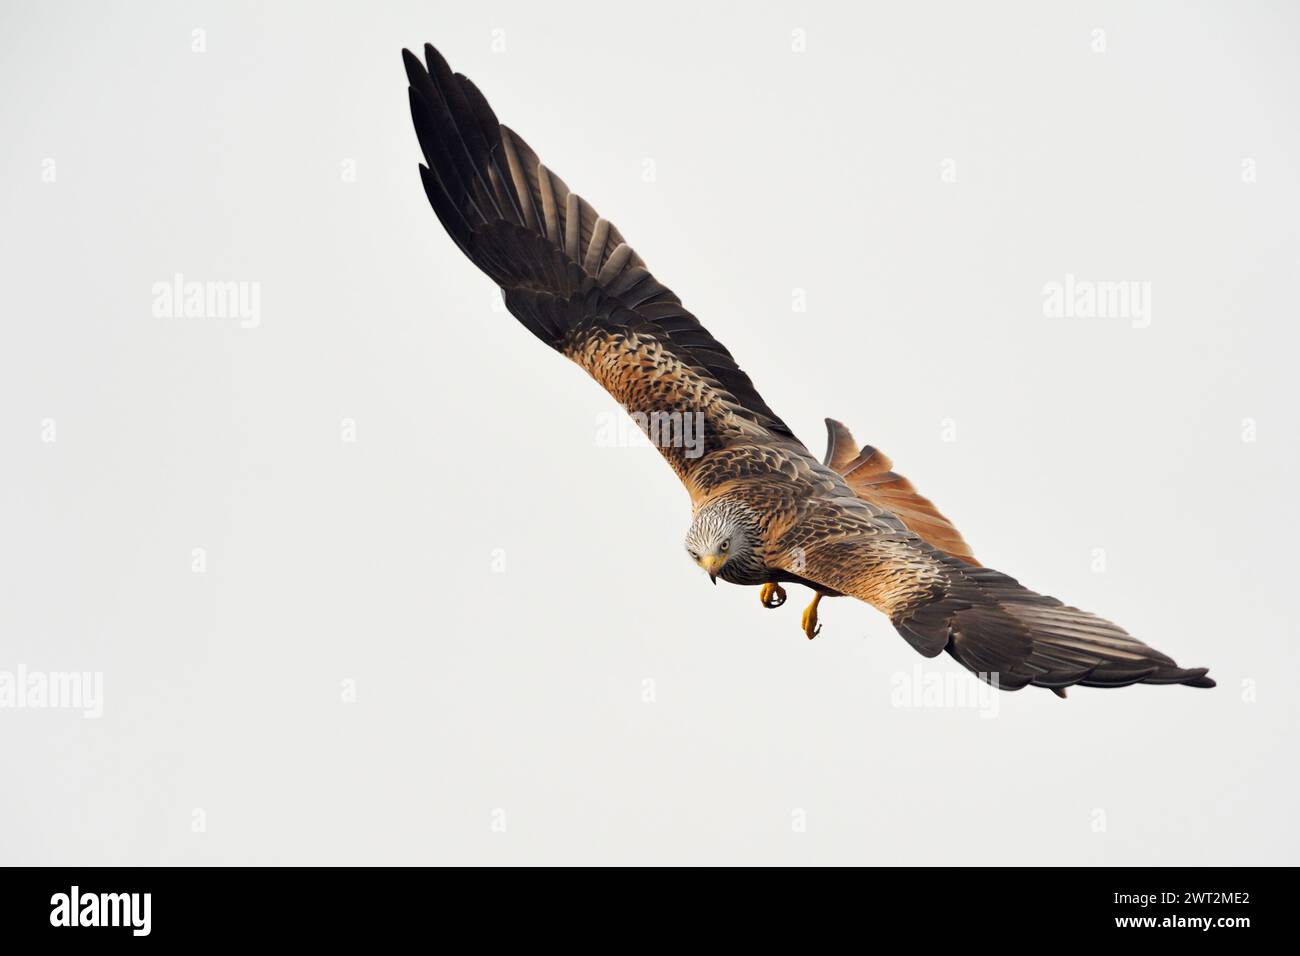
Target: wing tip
{"x":414,"y":68}
{"x":1199,"y":677}
{"x":433,"y":58}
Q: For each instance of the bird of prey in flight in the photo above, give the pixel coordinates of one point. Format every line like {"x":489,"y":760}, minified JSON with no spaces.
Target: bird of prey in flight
{"x":765,"y":511}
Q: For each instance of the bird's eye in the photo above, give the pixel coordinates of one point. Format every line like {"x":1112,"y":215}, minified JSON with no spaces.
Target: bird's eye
{"x":694,"y":556}
{"x":725,"y":545}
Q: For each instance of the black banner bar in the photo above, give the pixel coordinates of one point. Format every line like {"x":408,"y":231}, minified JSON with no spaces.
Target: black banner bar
{"x":213,"y":905}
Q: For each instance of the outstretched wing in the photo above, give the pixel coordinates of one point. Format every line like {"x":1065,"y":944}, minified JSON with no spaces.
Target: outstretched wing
{"x":1005,"y":633}
{"x":869,"y":472}
{"x":571,"y":279}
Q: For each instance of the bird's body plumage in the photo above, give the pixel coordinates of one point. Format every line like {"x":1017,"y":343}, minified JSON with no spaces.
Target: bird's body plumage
{"x":848,"y":525}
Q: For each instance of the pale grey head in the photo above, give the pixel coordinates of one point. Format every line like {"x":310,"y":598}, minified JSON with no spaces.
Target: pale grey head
{"x":724,"y":539}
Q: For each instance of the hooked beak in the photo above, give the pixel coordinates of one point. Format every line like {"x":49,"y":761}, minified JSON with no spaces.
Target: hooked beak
{"x":713,"y":563}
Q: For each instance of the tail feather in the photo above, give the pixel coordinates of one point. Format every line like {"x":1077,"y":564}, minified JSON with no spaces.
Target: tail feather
{"x":869,"y":472}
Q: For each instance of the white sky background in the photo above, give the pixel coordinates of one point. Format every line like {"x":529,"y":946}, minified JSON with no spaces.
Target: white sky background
{"x":518,"y":697}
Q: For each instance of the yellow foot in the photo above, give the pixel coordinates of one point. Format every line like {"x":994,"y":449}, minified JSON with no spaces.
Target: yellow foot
{"x":810,"y":625}
{"x":772,"y":595}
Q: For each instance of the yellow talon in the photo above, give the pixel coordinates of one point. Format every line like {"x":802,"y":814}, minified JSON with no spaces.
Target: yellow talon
{"x":772,"y":595}
{"x":810,"y":625}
